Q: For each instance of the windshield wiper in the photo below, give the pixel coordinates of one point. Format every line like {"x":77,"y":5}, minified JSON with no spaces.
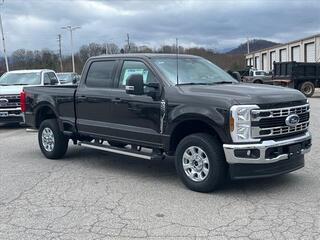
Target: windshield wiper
{"x":223,"y":82}
{"x":193,"y":83}
{"x":20,"y":84}
{"x":4,"y":84}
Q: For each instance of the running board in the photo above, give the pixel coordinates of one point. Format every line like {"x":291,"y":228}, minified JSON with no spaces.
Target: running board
{"x":126,"y":152}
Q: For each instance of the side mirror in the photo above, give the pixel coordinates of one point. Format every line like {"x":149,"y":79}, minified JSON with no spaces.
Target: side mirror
{"x":135,"y":84}
{"x":74,"y":80}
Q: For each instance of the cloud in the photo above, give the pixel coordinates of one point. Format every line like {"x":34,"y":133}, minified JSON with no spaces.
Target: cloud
{"x":214,"y":24}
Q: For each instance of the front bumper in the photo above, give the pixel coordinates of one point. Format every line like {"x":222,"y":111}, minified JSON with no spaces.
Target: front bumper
{"x":272,"y":157}
{"x":11,"y":115}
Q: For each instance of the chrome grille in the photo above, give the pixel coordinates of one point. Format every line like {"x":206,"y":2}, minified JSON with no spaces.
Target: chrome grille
{"x":13,"y":101}
{"x":272,"y":122}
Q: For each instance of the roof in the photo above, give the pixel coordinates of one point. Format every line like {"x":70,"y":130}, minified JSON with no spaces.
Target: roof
{"x":283,"y":44}
{"x":30,"y":71}
{"x":146,"y":55}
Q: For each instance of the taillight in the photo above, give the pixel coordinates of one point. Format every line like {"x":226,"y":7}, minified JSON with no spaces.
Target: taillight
{"x":23,"y":101}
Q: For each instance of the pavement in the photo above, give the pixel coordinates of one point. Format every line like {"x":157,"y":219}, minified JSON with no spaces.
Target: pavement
{"x":96,"y":195}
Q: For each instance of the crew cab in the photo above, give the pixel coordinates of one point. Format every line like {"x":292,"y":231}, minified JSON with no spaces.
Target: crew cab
{"x":11,"y":85}
{"x":151,"y":106}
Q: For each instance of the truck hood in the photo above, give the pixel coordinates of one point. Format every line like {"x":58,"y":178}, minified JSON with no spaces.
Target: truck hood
{"x":12,"y":90}
{"x":245,"y":93}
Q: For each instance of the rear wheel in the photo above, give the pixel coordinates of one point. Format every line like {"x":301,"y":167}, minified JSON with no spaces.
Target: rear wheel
{"x":200,"y":162}
{"x":53,"y":143}
{"x":307,"y":88}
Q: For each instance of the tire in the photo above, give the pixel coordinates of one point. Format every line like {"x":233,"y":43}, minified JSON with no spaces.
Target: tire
{"x":307,"y":88}
{"x":117,"y":144}
{"x":213,"y":166}
{"x":52,"y":142}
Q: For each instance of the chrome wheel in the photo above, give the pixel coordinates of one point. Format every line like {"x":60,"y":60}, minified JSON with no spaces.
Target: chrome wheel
{"x":47,"y":139}
{"x":195,"y":163}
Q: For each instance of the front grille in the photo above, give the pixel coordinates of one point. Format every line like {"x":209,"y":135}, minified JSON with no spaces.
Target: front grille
{"x":272,"y":122}
{"x":9,"y":101}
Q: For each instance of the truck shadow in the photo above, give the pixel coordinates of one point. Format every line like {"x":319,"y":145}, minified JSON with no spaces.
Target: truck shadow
{"x":164,"y":171}
{"x":9,"y":126}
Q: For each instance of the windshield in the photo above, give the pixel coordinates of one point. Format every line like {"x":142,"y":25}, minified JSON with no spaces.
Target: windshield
{"x":192,"y":71}
{"x":66,"y":77}
{"x":21,"y":78}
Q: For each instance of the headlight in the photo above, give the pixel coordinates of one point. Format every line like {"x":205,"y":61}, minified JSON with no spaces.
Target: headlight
{"x":240,"y":123}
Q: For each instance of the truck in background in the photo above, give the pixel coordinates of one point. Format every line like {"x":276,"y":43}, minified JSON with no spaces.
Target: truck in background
{"x":298,"y":75}
{"x":11,"y":85}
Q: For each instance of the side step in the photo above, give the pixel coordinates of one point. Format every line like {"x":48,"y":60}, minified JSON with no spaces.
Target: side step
{"x":127,"y":152}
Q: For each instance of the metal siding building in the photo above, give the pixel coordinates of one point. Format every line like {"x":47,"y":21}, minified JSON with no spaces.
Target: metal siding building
{"x":302,"y":50}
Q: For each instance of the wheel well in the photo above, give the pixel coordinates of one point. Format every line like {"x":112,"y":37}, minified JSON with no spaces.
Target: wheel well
{"x":258,"y":81}
{"x":189,"y":127}
{"x":44,"y":113}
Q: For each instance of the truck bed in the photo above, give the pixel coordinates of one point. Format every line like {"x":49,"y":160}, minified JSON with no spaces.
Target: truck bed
{"x":61,"y":98}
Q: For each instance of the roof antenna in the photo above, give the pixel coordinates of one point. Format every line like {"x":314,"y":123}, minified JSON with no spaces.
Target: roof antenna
{"x":177,"y":58}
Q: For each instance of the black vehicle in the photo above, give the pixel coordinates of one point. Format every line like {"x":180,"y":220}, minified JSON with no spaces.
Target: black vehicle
{"x":299,"y":75}
{"x":215,"y":126}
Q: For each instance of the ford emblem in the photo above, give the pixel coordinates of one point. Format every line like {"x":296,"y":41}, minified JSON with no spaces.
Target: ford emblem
{"x":3,"y":100}
{"x":292,"y":120}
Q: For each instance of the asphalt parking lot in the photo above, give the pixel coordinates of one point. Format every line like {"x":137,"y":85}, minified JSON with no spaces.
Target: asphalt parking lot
{"x":96,"y":195}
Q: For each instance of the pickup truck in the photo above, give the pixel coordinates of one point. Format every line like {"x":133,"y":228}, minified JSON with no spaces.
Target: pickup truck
{"x":11,"y":85}
{"x":258,"y":76}
{"x":151,"y":106}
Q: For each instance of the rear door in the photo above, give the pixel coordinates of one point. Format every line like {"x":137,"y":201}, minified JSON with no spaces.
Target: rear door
{"x":94,"y":98}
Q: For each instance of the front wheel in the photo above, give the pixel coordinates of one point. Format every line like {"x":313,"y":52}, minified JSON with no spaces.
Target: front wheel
{"x":200,"y":162}
{"x":307,"y":88}
{"x":52,"y":142}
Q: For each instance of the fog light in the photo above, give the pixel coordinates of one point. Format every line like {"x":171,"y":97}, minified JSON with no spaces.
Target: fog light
{"x":247,"y":153}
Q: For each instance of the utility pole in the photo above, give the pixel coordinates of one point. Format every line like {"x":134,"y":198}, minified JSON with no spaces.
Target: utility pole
{"x":128,"y":42}
{"x":3,"y":40}
{"x":248,"y":45}
{"x":71,"y":29}
{"x":60,"y":54}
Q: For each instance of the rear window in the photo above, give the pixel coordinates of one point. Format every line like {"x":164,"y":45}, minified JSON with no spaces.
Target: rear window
{"x":100,"y":74}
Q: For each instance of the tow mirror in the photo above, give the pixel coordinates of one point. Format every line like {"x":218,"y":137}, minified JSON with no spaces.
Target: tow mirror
{"x":135,"y":84}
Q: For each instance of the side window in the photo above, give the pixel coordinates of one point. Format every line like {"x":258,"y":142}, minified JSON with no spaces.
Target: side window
{"x":135,"y":67}
{"x":100,"y":74}
{"x":53,"y":78}
{"x":46,"y":79}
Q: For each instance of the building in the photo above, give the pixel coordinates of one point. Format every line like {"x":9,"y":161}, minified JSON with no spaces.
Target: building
{"x":302,"y":50}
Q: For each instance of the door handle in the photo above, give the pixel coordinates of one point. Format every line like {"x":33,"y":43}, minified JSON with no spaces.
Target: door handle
{"x":82,"y":98}
{"x":116,"y":100}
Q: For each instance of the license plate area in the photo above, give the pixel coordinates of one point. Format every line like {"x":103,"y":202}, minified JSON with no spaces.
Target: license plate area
{"x":294,"y":150}
{"x":4,"y":114}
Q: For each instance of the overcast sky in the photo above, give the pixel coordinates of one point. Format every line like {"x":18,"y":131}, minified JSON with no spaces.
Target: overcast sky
{"x":220,"y":24}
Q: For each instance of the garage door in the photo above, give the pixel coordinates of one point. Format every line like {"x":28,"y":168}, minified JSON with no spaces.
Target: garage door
{"x":283,"y":55}
{"x":257,"y":62}
{"x":272,"y":59}
{"x":264,"y":61}
{"x":295,"y":54}
{"x":310,"y":53}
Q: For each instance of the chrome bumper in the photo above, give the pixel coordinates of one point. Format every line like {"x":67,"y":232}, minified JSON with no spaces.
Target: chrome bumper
{"x":11,"y":114}
{"x":229,"y":150}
